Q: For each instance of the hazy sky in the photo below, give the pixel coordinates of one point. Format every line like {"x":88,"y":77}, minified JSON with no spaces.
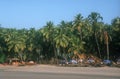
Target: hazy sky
{"x":35,"y":13}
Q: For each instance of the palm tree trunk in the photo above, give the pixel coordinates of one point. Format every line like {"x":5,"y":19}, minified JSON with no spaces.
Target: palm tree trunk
{"x":106,"y":41}
{"x":56,"y":50}
{"x":97,"y":45}
{"x":107,"y":51}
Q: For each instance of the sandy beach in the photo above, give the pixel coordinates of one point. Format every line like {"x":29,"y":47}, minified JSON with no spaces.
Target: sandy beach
{"x":107,"y":71}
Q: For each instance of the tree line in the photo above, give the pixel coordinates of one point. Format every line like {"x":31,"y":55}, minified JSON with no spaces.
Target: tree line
{"x":81,"y":35}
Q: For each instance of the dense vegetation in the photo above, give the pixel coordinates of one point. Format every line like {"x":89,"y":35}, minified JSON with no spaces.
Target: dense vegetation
{"x":82,"y":35}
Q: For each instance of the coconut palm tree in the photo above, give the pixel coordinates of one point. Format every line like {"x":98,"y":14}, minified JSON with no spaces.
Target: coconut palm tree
{"x":77,"y":46}
{"x":62,"y":37}
{"x":16,"y":43}
{"x":78,"y":25}
{"x":47,"y":31}
{"x":95,"y":18}
{"x":115,"y":33}
{"x":48,"y":34}
{"x":107,"y":43}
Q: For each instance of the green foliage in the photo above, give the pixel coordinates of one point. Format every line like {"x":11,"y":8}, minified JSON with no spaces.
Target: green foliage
{"x":2,"y":57}
{"x":85,"y":35}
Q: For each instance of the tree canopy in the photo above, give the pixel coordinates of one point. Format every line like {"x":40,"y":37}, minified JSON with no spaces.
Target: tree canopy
{"x":85,"y":35}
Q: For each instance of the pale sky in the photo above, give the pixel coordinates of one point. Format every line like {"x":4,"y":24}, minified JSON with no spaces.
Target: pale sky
{"x":35,"y":13}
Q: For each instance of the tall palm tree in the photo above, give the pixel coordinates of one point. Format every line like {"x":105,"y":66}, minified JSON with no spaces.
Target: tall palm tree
{"x":106,"y":42}
{"x":61,"y":39}
{"x":38,"y":45}
{"x":48,"y":34}
{"x":115,"y":43}
{"x":95,"y":19}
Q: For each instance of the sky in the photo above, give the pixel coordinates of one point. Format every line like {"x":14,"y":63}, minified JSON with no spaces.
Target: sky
{"x":35,"y":13}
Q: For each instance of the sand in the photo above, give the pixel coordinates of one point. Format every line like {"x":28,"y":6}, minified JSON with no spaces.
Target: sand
{"x":113,"y":71}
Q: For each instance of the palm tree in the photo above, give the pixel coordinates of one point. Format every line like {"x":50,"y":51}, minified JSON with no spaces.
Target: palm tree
{"x":38,"y":45}
{"x":95,"y":19}
{"x":16,"y":43}
{"x":2,"y":42}
{"x":47,"y":35}
{"x":30,"y":39}
{"x":2,"y":46}
{"x":47,"y":31}
{"x":32,"y":44}
{"x":77,"y":46}
{"x":106,"y":42}
{"x":115,"y":33}
{"x":78,"y":25}
{"x":61,"y":37}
